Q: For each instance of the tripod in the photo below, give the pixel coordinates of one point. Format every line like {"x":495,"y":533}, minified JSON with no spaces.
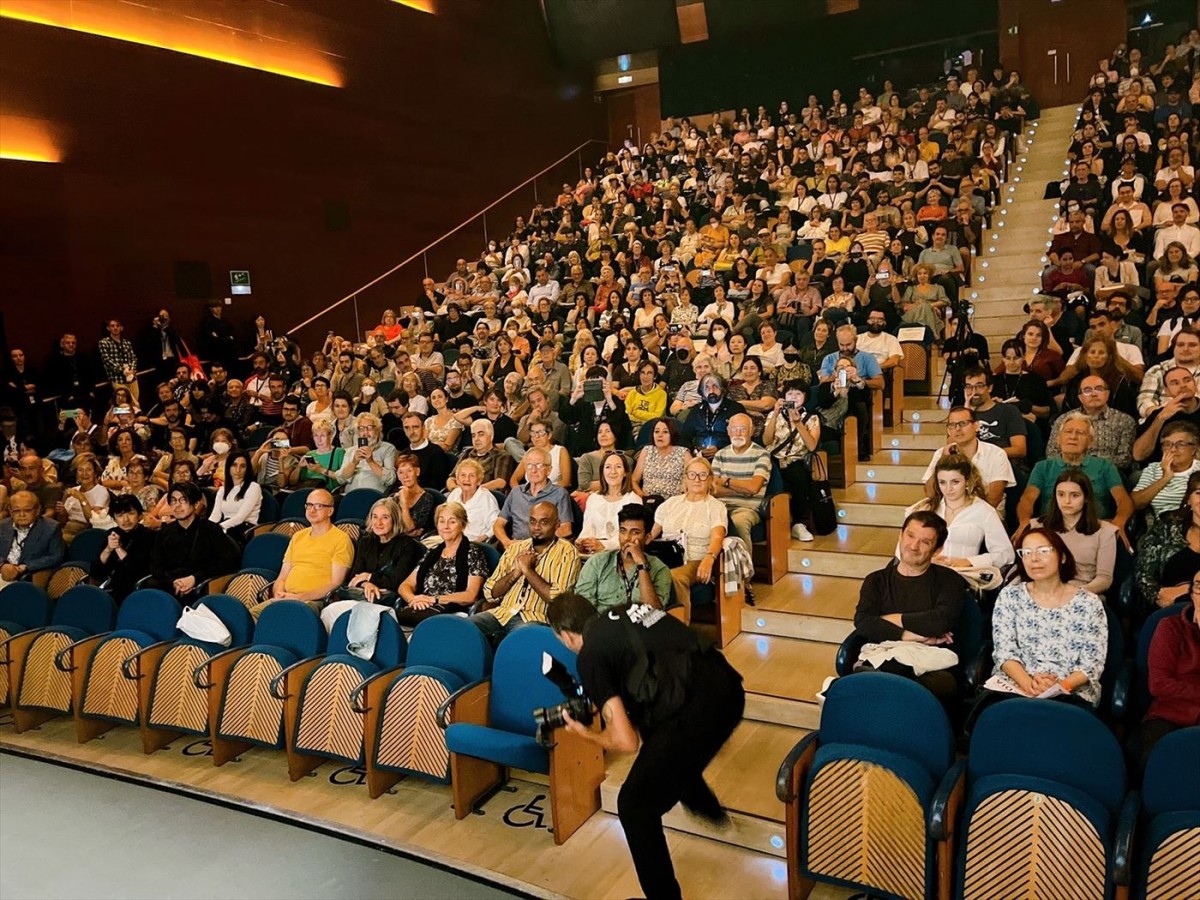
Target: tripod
{"x":964,"y":332}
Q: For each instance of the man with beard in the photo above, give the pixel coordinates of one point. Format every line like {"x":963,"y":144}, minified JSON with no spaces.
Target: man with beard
{"x":881,"y":345}
{"x":999,"y":423}
{"x":707,"y":427}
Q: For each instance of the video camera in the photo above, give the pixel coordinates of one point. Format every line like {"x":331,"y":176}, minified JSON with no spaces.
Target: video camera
{"x":577,"y":703}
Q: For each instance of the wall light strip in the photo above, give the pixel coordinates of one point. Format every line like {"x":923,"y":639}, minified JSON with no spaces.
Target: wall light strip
{"x":425,"y":6}
{"x":216,"y":47}
{"x":29,"y":140}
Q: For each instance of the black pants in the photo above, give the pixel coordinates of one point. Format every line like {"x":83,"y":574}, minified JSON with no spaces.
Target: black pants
{"x":670,"y":768}
{"x":797,"y":477}
{"x":860,"y":407}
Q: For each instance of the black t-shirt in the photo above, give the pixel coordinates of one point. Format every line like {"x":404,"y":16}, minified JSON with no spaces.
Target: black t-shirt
{"x":999,"y":424}
{"x":503,"y":427}
{"x":611,"y":664}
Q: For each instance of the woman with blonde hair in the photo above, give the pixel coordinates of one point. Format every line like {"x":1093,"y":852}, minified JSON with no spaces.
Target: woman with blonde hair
{"x":923,"y":300}
{"x":699,"y":521}
{"x":383,"y":557}
{"x":976,"y":536}
{"x":450,"y":577}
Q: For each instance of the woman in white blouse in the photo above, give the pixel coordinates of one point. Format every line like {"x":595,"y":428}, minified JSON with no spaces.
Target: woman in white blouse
{"x":600,"y":530}
{"x":239,"y":500}
{"x":976,"y":535}
{"x":701,"y":520}
{"x":481,"y":506}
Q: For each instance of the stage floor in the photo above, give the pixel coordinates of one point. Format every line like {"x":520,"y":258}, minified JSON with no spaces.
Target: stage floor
{"x":507,"y":843}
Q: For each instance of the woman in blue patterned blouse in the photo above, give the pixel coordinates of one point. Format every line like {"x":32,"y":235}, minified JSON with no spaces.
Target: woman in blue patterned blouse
{"x":1049,"y":634}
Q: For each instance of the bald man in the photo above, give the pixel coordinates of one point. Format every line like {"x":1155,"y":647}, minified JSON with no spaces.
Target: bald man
{"x":740,"y":475}
{"x":29,"y":542}
{"x":317,"y":558}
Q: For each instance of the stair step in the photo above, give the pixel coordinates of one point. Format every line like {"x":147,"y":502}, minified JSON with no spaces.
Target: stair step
{"x":913,"y":441}
{"x":742,"y":775}
{"x":790,"y":625}
{"x":902,"y":495}
{"x":870,"y":514}
{"x":890,"y":474}
{"x":823,"y":596}
{"x":936,"y":416}
{"x":837,"y":562}
{"x":924,"y":426}
{"x":891,"y":456}
{"x":925,"y":402}
{"x":781,"y":677}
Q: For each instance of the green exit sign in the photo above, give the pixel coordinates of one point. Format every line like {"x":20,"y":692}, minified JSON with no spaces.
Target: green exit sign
{"x":239,"y":281}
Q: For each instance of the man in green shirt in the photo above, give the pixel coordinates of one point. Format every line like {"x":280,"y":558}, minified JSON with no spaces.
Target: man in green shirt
{"x":628,"y":574}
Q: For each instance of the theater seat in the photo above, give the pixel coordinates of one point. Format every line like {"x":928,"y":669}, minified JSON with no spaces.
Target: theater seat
{"x":1046,"y":814}
{"x":327,"y":726}
{"x":84,"y":613}
{"x":490,"y":729}
{"x":170,"y":702}
{"x":356,"y":504}
{"x":445,"y":655}
{"x":261,"y":561}
{"x":243,"y":711}
{"x":1168,"y":862}
{"x":81,"y":553}
{"x":871,"y":797}
{"x":23,"y":607}
{"x":103,"y":696}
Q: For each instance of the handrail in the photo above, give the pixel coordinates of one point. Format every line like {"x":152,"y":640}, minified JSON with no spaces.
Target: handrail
{"x":434,"y":243}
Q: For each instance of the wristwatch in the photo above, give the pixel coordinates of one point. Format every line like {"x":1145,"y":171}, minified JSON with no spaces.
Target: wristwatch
{"x":642,"y":567}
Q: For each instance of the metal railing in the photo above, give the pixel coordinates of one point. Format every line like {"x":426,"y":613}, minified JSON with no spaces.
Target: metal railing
{"x":381,"y":292}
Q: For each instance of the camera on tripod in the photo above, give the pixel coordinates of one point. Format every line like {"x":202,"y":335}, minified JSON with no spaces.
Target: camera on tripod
{"x":576,"y":703}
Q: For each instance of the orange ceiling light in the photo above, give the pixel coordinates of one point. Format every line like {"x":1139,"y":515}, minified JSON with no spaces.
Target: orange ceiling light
{"x":28,"y":140}
{"x":163,"y":28}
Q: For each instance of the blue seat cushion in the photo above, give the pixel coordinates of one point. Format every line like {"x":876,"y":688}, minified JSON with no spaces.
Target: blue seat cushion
{"x":364,"y":667}
{"x":516,"y":750}
{"x":141,"y":638}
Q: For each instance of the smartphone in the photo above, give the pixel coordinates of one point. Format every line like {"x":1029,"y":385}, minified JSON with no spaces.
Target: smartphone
{"x":674,"y":328}
{"x":842,"y":378}
{"x":883,"y":276}
{"x":362,"y":442}
{"x":122,"y":410}
{"x":281,"y":444}
{"x":69,"y":414}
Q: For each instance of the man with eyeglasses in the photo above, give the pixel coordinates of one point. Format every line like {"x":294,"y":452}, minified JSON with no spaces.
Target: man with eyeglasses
{"x":1074,"y":444}
{"x":1182,"y":406}
{"x":29,"y":542}
{"x":536,"y":489}
{"x":1162,"y":485}
{"x":317,"y":558}
{"x":999,"y":423}
{"x":189,"y":550}
{"x":962,"y":434}
{"x":739,"y":477}
{"x":496,"y":464}
{"x":1112,"y":430}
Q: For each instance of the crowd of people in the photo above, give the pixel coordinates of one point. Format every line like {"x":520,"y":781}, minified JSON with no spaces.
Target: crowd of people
{"x":600,"y":399}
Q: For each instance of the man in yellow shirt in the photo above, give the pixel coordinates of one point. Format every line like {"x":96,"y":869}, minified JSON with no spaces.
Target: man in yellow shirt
{"x":317,"y":558}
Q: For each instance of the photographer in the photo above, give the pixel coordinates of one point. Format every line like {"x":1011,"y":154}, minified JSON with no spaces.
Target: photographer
{"x":791,"y":435}
{"x":652,"y":682}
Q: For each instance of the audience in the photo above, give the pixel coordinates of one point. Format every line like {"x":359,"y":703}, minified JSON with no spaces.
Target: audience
{"x":740,"y":473}
{"x":601,"y":515}
{"x":1170,"y":552}
{"x":697,"y":520}
{"x":450,"y":576}
{"x":975,"y":536}
{"x":1074,"y":517}
{"x":128,"y":549}
{"x":239,"y":501}
{"x":189,"y":549}
{"x":995,"y":470}
{"x":514,"y":515}
{"x":317,"y":557}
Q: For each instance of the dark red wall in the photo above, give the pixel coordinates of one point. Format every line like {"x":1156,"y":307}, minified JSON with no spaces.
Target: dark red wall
{"x":171,"y":158}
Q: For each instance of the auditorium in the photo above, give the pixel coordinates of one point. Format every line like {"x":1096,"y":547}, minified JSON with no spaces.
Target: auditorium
{"x":812,"y":385}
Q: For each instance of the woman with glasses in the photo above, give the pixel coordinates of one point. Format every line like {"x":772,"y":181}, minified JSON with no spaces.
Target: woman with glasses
{"x":1170,"y":552}
{"x":1050,"y":636}
{"x":1099,"y":357}
{"x":697,"y":520}
{"x":1074,"y":517}
{"x":600,"y":528}
{"x":541,"y":437}
{"x":1163,"y":485}
{"x":450,"y":577}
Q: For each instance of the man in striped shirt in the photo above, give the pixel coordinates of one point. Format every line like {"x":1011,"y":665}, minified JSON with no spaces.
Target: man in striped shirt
{"x":530,"y":572}
{"x":740,"y":475}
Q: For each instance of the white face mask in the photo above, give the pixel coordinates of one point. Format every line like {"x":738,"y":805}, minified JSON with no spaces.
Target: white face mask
{"x":719,"y":334}
{"x":220,"y":448}
{"x":367,"y":390}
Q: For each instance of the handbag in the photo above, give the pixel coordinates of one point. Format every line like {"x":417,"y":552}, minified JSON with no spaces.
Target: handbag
{"x":824,"y":511}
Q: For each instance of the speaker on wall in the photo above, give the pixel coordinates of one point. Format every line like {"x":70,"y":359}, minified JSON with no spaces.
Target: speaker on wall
{"x":193,"y":280}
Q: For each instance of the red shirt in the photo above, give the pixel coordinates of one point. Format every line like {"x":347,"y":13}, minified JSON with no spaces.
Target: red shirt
{"x":1174,"y":670}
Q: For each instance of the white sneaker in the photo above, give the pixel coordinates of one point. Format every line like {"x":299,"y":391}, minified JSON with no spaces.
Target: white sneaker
{"x":800,"y":533}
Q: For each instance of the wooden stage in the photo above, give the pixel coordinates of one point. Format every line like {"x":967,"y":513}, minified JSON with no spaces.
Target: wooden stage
{"x":507,"y":843}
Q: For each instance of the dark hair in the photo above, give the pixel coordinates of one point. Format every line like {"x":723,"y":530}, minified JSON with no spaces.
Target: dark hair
{"x":1066,"y":562}
{"x":1188,"y":428}
{"x":928,"y":519}
{"x":672,"y":427}
{"x":189,"y":489}
{"x":1013,"y":344}
{"x":175,"y":464}
{"x":636,"y":512}
{"x":133,"y":435}
{"x":321,"y":378}
{"x":123,"y":503}
{"x":1089,"y":519}
{"x":570,"y":612}
{"x":975,"y":372}
{"x":291,"y":400}
{"x":342,"y":395}
{"x":246,"y":479}
{"x":1041,"y":327}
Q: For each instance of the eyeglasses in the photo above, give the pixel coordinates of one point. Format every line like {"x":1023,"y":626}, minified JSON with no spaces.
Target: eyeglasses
{"x":176,"y":500}
{"x":318,"y":506}
{"x":1177,"y":445}
{"x":1090,"y":391}
{"x":535,"y":466}
{"x":1041,"y":552}
{"x":950,"y":425}
{"x":697,"y":476}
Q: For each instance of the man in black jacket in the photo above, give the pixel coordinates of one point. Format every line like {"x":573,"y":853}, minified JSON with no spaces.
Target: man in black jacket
{"x":191,"y":549}
{"x":913,"y":599}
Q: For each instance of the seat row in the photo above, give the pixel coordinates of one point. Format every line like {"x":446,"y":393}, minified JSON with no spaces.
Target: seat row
{"x":436,"y":705}
{"x":1039,"y":807}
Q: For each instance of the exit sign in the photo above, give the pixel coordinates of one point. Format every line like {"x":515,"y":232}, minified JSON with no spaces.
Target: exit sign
{"x":239,"y":281}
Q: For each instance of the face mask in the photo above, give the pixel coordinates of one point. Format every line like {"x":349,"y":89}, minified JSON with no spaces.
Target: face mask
{"x":718,"y":334}
{"x":368,"y":390}
{"x":220,"y":448}
{"x":513,"y":334}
